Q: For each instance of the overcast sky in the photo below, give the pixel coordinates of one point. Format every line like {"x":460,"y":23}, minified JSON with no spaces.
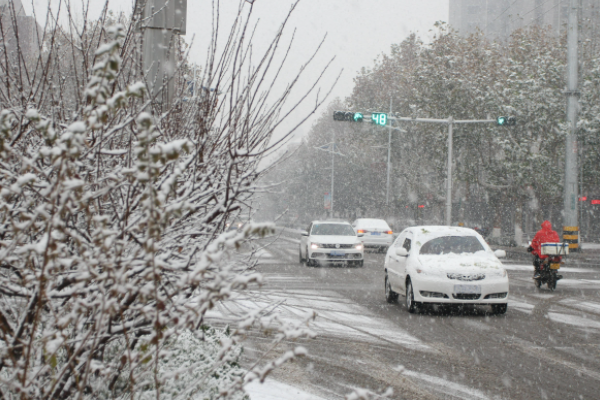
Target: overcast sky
{"x":357,"y":30}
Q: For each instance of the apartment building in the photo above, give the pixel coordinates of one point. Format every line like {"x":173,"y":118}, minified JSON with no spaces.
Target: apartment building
{"x":497,"y":19}
{"x":28,"y":30}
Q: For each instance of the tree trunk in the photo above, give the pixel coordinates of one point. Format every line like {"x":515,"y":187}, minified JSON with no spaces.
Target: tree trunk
{"x":519,"y":224}
{"x":497,"y":229}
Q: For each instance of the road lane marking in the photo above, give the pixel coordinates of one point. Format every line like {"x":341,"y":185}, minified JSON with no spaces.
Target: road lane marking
{"x":445,"y":386}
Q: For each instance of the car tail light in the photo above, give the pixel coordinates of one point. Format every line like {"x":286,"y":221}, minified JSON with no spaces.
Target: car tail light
{"x":389,"y":232}
{"x":361,"y":231}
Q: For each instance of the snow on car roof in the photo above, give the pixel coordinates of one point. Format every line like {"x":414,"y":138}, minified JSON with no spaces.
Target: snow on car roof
{"x":373,"y":222}
{"x":332,"y":222}
{"x":436,"y":231}
{"x":426,"y":233}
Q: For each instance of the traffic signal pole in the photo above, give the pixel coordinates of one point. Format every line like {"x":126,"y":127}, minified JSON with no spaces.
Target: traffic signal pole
{"x":383,"y":119}
{"x":570,"y":220}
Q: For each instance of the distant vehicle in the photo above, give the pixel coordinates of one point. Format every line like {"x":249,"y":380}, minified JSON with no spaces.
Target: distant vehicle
{"x":377,"y":233}
{"x":233,"y":226}
{"x":445,"y":265}
{"x":331,"y":242}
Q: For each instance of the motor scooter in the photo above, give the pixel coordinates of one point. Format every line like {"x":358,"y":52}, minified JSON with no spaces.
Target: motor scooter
{"x":549,"y":266}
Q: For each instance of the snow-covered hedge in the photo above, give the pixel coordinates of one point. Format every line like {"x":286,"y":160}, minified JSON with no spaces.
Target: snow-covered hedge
{"x":112,"y":216}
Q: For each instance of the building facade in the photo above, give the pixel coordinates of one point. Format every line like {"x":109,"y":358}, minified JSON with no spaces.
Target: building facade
{"x":26,"y":36}
{"x":497,"y":19}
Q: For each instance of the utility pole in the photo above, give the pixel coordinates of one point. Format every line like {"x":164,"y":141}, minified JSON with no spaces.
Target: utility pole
{"x":330,"y":148}
{"x":161,"y":21}
{"x":332,"y":169}
{"x":449,"y":179}
{"x":389,"y":166}
{"x":570,"y":220}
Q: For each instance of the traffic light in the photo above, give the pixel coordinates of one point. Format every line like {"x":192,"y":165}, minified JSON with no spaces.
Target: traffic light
{"x":506,"y":121}
{"x":379,"y":119}
{"x":376,"y":118}
{"x":347,"y":116}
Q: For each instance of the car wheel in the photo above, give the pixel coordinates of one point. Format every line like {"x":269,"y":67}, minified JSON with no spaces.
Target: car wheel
{"x":499,"y":308}
{"x":411,"y":305}
{"x":390,"y":295}
{"x":359,"y":264}
{"x":300,"y":259}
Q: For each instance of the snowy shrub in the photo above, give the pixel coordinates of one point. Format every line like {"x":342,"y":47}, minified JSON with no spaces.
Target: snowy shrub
{"x":112,"y":212}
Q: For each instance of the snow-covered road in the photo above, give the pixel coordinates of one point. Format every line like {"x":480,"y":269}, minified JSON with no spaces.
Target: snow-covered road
{"x":546,"y":346}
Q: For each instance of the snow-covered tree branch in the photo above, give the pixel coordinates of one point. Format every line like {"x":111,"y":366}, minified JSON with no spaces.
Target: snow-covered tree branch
{"x":112,"y":217}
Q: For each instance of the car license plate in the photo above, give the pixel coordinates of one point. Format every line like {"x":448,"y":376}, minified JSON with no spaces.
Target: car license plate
{"x":338,"y":253}
{"x":375,"y":233}
{"x":467,"y":289}
{"x":555,"y":266}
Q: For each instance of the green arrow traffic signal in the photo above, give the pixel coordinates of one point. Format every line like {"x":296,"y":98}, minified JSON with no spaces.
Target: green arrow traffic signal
{"x":347,"y":116}
{"x":506,"y":121}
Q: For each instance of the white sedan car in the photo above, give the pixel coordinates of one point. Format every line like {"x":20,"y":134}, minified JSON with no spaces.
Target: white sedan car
{"x":377,"y":233}
{"x":331,"y":242}
{"x":445,"y":265}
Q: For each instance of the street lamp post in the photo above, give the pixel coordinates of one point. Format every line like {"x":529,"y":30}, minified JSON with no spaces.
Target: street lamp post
{"x":389,"y":167}
{"x":451,"y":122}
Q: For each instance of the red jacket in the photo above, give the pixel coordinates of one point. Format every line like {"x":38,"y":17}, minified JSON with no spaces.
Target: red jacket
{"x":544,"y":235}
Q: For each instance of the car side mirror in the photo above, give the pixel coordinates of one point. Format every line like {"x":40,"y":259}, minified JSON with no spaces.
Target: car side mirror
{"x":500,"y":253}
{"x":360,"y":234}
{"x":304,"y":233}
{"x":401,"y":252}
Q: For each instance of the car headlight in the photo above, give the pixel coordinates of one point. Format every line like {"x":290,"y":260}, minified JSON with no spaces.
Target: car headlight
{"x":358,"y":246}
{"x":314,"y":246}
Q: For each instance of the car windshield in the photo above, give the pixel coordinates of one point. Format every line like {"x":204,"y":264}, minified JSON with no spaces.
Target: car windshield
{"x":452,"y":244}
{"x":333,"y":229}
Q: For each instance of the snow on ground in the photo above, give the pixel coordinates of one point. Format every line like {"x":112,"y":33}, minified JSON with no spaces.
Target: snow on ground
{"x":520,"y":306}
{"x":581,"y":283}
{"x":336,"y":315}
{"x":448,"y":388}
{"x":574,"y":320}
{"x":529,"y":267}
{"x":590,"y":246}
{"x":582,"y":305}
{"x":273,"y":390}
{"x":262,"y":253}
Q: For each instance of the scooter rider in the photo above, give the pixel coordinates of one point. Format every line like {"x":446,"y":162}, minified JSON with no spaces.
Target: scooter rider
{"x":544,"y":235}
